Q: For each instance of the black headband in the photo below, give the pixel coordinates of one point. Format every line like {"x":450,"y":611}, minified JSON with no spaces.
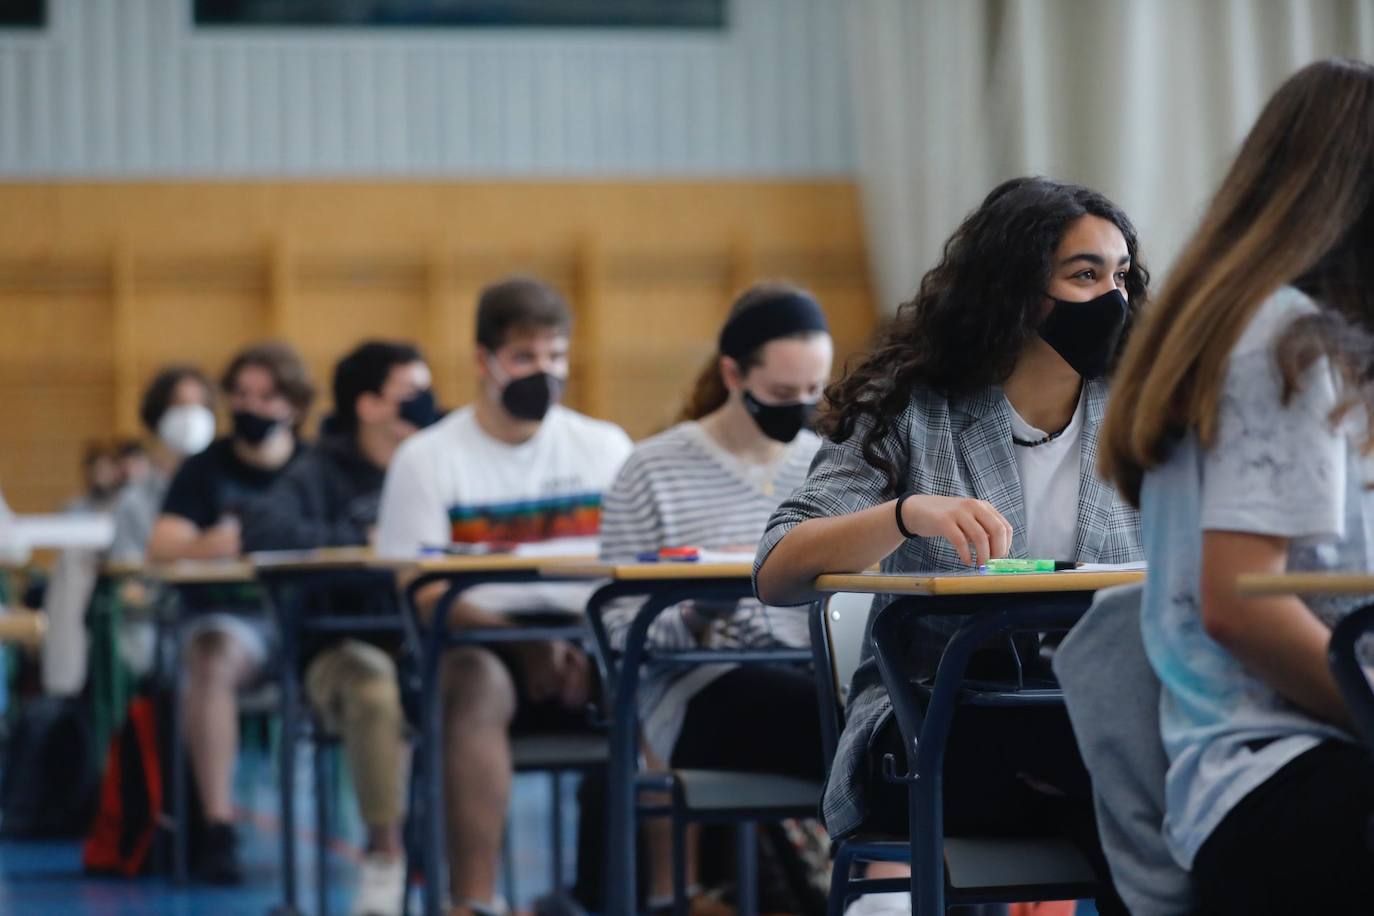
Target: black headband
{"x":781,"y":315}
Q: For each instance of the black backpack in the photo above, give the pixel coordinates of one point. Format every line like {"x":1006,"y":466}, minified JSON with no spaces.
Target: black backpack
{"x":50,"y":773}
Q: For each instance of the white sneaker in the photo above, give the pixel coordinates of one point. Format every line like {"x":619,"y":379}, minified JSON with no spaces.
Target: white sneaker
{"x":897,"y":904}
{"x":381,"y":881}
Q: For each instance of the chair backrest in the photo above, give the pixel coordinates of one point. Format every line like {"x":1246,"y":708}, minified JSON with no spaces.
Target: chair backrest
{"x":838,"y":625}
{"x":846,"y":621}
{"x":1112,"y":695}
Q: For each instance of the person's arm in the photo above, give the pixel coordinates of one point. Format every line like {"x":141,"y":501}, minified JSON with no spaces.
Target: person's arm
{"x":843,"y":520}
{"x":178,"y":538}
{"x":295,"y":514}
{"x":1278,"y":638}
{"x":1275,"y":473}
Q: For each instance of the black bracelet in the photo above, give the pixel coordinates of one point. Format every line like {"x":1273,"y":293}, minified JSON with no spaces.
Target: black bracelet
{"x":901,"y":525}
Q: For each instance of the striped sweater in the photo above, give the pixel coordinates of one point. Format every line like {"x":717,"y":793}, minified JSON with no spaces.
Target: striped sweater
{"x":679,"y":489}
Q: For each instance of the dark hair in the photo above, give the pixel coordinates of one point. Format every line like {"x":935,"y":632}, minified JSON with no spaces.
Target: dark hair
{"x":283,"y":363}
{"x":365,"y":370}
{"x":522,"y":303}
{"x":157,"y":397}
{"x":1296,"y":207}
{"x":976,"y":309}
{"x":95,"y":450}
{"x":708,"y":391}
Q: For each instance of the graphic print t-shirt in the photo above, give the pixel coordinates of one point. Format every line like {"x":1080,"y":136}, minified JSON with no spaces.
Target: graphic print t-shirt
{"x":454,"y":484}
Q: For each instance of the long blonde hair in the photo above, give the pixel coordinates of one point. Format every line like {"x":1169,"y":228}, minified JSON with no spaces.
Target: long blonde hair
{"x":1293,"y":209}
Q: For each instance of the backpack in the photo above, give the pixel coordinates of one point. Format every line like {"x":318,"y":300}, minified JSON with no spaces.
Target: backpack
{"x":133,"y":829}
{"x":49,"y":781}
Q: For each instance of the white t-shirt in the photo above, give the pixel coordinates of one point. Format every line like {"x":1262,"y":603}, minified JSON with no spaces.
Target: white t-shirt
{"x":1049,"y":485}
{"x":453,"y":483}
{"x":1280,"y":467}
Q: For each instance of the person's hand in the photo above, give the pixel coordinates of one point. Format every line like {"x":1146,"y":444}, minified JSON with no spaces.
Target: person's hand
{"x":222,"y":539}
{"x":577,"y":679}
{"x":544,"y":665}
{"x":963,"y":522}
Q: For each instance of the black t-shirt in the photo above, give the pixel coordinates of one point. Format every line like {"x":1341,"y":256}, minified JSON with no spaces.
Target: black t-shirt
{"x":215,"y":483}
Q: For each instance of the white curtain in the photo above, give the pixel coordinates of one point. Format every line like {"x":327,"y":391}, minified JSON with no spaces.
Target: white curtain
{"x":1144,"y":100}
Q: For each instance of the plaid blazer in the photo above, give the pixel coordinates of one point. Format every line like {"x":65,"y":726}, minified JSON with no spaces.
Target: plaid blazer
{"x":955,"y":446}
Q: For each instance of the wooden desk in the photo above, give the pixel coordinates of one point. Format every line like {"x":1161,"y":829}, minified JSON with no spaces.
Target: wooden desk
{"x":974,"y":583}
{"x":645,"y":572}
{"x":459,"y":572}
{"x":662,"y":585}
{"x":293,"y":581}
{"x":202,"y":572}
{"x":980,"y":607}
{"x":1306,"y":583}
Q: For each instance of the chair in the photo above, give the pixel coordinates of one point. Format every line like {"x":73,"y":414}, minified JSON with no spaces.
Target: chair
{"x":740,"y":798}
{"x":1344,"y":658}
{"x":838,"y":627}
{"x":1112,"y":695}
{"x":949,"y":871}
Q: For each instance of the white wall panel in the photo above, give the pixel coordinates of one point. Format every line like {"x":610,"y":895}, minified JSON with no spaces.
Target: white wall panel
{"x":130,"y":88}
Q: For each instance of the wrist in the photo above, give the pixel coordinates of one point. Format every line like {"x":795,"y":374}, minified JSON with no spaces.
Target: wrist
{"x":901,"y":521}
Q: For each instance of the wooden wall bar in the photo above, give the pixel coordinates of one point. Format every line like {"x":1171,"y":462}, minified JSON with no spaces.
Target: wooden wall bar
{"x":100,"y":284}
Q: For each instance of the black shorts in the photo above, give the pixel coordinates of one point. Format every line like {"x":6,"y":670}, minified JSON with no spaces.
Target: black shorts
{"x":1299,"y":843}
{"x":544,"y":716}
{"x":753,"y":719}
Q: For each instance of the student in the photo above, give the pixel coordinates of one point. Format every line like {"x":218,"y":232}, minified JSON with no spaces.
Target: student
{"x":102,"y":478}
{"x":329,"y":498}
{"x":969,"y":432}
{"x":1244,"y":444}
{"x":712,"y":481}
{"x":178,"y":412}
{"x":513,"y":467}
{"x":268,"y":393}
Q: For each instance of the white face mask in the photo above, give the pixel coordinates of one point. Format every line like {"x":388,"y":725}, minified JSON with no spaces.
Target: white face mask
{"x":187,"y":428}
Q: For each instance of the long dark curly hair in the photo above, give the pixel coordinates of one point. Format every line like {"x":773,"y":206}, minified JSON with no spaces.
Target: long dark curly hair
{"x":976,"y":309}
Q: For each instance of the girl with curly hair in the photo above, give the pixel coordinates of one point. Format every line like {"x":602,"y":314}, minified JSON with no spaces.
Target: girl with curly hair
{"x":970,"y":431}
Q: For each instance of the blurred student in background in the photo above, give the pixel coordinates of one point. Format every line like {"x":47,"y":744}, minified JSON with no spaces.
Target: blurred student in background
{"x":329,"y":498}
{"x":712,"y":481}
{"x":228,"y":646}
{"x":513,"y":467}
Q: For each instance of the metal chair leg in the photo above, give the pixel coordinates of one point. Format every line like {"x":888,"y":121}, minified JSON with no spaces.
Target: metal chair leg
{"x":679,"y":843}
{"x":508,"y":864}
{"x":180,"y":814}
{"x":556,"y":782}
{"x":746,"y":854}
{"x":838,"y":899}
{"x":323,"y":803}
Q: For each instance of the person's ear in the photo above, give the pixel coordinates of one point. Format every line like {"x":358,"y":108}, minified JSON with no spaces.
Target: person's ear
{"x":731,"y":374}
{"x":483,"y":358}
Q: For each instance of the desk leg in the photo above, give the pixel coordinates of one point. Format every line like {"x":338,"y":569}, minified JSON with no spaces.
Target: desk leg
{"x":432,"y":741}
{"x":621,"y":892}
{"x":180,"y":817}
{"x":286,"y":762}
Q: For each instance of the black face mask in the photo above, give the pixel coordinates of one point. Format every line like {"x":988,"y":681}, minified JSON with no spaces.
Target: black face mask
{"x":1086,"y":333}
{"x":251,"y":428}
{"x":780,"y":422}
{"x":530,"y":398}
{"x":419,"y":411}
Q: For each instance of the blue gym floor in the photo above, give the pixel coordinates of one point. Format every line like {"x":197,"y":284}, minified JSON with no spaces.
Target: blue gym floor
{"x":44,"y":878}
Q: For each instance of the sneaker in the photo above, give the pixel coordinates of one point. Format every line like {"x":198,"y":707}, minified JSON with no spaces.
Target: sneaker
{"x":881,"y":905}
{"x":381,"y":883}
{"x":219,"y":856}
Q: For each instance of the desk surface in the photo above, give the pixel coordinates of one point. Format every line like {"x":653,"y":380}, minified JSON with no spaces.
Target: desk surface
{"x":324,"y":559}
{"x":202,"y":572}
{"x":644,"y":572}
{"x":1310,"y":583}
{"x":490,"y":563}
{"x":975,"y":583}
